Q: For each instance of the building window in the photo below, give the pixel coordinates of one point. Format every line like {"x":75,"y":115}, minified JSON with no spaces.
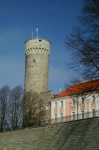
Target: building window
{"x":93,"y":98}
{"x":55,"y":117}
{"x":83,"y":100}
{"x":82,"y":114}
{"x":74,"y":102}
{"x":93,"y":113}
{"x":47,"y":107}
{"x":61,"y":116}
{"x":61,"y":104}
{"x":73,"y":115}
{"x":56,"y":104}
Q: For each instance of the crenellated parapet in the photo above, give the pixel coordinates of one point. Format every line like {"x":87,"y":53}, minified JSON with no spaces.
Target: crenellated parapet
{"x":37,"y":45}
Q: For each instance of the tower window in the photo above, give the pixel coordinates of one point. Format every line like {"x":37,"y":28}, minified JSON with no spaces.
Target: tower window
{"x":47,"y":107}
{"x":34,"y":60}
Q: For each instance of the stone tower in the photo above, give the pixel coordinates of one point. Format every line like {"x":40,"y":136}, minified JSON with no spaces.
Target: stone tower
{"x":37,"y":53}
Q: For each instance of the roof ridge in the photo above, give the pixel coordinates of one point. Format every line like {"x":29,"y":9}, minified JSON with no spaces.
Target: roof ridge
{"x":80,"y":88}
{"x":87,"y":80}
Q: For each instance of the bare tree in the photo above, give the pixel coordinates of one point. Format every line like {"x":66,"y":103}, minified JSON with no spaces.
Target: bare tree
{"x":33,"y":111}
{"x":4,"y":103}
{"x":16,"y":107}
{"x":84,"y":42}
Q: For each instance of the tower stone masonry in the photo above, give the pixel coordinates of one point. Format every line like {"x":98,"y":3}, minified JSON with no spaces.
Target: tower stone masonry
{"x":37,"y":53}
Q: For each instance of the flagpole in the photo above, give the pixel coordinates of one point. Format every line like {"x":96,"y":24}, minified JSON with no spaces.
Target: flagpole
{"x":37,"y":31}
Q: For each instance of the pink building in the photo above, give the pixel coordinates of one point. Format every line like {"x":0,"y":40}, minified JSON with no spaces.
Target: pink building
{"x":80,"y":101}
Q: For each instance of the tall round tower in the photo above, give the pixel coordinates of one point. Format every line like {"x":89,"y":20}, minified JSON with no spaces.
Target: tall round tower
{"x":37,"y":53}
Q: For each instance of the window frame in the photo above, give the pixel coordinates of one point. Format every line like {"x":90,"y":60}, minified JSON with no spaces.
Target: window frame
{"x":61,"y":103}
{"x":55,"y":117}
{"x":83,"y":100}
{"x":56,"y":105}
{"x":73,"y":102}
{"x":73,"y":115}
{"x":61,"y":116}
{"x":93,"y":99}
{"x":93,"y":113}
{"x":82,"y":114}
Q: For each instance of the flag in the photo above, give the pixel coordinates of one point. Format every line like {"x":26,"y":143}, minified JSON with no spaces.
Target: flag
{"x":37,"y":28}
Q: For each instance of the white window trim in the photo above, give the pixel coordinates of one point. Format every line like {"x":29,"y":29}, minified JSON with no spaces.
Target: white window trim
{"x":62,"y":104}
{"x":55,"y":105}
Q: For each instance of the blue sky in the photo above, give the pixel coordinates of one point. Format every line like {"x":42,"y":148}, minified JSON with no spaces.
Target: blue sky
{"x":18,"y":18}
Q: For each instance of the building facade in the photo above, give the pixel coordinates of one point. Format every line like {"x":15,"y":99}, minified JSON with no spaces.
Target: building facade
{"x":77,"y":102}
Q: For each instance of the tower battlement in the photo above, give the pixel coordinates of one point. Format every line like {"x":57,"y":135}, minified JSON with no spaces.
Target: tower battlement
{"x":37,"y":45}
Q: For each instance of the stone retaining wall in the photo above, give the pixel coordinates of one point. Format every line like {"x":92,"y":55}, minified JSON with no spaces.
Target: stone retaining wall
{"x":76,"y":135}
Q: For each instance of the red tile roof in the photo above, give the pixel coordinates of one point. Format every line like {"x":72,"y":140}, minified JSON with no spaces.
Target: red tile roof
{"x":82,"y":87}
